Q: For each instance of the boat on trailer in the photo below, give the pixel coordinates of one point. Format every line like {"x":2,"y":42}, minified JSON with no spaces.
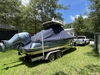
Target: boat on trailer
{"x":48,"y":44}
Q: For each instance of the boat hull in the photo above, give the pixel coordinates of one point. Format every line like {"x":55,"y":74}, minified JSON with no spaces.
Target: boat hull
{"x":48,"y":46}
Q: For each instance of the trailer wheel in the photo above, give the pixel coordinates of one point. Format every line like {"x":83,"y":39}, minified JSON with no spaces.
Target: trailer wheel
{"x":51,"y":57}
{"x":59,"y":54}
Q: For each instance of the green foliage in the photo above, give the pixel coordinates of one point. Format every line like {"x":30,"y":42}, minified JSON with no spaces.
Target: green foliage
{"x":94,"y":15}
{"x":83,"y":26}
{"x":39,"y":11}
{"x":90,"y":25}
{"x":79,"y":25}
{"x":9,"y":9}
{"x":46,"y":10}
{"x":69,"y":25}
{"x":29,"y":17}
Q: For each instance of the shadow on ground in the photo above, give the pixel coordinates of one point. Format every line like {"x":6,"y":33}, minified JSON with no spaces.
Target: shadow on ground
{"x":93,"y":52}
{"x":29,"y":64}
{"x":60,"y":73}
{"x":90,"y":69}
{"x":70,"y":51}
{"x":23,"y":62}
{"x":91,"y":45}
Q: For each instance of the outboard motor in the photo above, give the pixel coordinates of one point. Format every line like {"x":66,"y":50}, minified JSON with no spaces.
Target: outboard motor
{"x":20,"y":38}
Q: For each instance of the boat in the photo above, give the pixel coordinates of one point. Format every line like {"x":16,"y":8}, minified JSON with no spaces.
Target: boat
{"x":51,"y":38}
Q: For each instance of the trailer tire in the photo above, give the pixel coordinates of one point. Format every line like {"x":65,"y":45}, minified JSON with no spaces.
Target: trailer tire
{"x":51,"y":57}
{"x":59,"y":54}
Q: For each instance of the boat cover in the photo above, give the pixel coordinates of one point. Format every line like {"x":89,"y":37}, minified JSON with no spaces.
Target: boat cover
{"x":51,"y":33}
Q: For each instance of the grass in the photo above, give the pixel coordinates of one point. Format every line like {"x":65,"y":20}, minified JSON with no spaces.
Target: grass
{"x":82,"y":61}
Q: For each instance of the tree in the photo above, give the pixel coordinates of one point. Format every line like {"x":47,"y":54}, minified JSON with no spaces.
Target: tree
{"x":9,"y":9}
{"x":40,"y":11}
{"x":95,"y":15}
{"x":83,"y":26}
{"x":29,"y":17}
{"x":46,"y":10}
{"x":69,"y":25}
{"x":79,"y":25}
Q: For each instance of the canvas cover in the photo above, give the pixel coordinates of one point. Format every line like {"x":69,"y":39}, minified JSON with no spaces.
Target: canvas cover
{"x":51,"y":33}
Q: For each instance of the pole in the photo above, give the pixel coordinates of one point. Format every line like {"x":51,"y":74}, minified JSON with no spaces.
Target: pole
{"x":42,"y":44}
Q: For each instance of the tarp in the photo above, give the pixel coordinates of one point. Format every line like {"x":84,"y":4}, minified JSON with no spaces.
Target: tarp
{"x":52,"y":33}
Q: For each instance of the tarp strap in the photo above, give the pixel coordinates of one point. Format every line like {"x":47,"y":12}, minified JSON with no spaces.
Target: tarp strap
{"x":42,"y":43}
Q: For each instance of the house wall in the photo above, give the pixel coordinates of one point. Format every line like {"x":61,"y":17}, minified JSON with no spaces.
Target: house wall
{"x":70,"y":31}
{"x":6,"y":35}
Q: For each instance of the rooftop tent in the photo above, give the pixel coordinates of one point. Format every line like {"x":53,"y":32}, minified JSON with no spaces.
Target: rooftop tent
{"x":52,"y":31}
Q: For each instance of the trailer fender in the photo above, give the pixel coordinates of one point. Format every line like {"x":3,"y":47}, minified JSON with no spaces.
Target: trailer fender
{"x":47,"y":55}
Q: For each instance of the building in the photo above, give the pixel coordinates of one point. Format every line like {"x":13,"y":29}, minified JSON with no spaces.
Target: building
{"x":70,"y":31}
{"x":4,"y":27}
{"x":7,"y":31}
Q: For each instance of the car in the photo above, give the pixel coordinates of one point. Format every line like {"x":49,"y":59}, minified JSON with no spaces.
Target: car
{"x":81,"y":40}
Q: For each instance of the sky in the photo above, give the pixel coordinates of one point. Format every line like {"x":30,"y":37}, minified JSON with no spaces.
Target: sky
{"x":76,"y":8}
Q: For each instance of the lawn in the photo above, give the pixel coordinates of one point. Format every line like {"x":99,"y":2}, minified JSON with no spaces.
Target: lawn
{"x":80,"y":61}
